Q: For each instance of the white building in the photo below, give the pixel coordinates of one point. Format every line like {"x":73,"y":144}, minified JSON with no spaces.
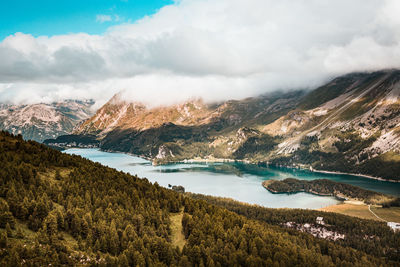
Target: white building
{"x":395,"y":226}
{"x":320,"y":220}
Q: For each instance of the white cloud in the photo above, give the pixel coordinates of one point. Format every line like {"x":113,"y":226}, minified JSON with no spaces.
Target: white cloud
{"x":103,"y":18}
{"x":215,"y":49}
{"x":117,"y":18}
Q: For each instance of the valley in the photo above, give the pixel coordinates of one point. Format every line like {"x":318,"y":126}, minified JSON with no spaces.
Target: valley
{"x":349,"y":125}
{"x":197,"y":133}
{"x":220,"y":154}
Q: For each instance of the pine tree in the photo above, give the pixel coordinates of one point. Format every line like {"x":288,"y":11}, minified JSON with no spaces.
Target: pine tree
{"x":3,"y":240}
{"x":20,"y":235}
{"x":123,"y":261}
{"x":58,"y":175}
{"x":8,"y":230}
{"x":113,"y":239}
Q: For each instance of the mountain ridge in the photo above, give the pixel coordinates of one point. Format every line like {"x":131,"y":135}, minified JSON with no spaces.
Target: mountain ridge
{"x":351,"y":124}
{"x":43,"y":121}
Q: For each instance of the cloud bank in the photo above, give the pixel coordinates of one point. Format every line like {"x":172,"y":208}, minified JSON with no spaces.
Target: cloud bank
{"x":214,"y":49}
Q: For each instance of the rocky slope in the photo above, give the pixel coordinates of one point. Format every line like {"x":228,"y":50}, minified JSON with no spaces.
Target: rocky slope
{"x":187,"y":130}
{"x":364,"y":103}
{"x":42,"y":121}
{"x":351,"y":124}
{"x":118,"y":113}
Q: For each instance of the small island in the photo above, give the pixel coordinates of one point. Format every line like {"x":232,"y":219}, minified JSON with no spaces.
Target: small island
{"x":324,"y":187}
{"x":177,"y":188}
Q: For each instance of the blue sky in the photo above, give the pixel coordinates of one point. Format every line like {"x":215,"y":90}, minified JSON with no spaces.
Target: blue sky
{"x":53,"y":17}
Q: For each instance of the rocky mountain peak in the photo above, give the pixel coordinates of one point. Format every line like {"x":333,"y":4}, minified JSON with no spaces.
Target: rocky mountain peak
{"x":42,"y":121}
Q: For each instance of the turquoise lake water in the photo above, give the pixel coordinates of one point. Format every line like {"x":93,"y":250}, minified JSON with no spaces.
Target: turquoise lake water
{"x":234,"y":180}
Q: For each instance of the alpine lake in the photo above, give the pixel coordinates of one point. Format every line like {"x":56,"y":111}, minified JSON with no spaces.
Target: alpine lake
{"x":238,"y":181}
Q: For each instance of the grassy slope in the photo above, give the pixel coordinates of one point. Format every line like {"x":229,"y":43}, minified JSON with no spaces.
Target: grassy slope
{"x":325,"y":93}
{"x":361,"y":211}
{"x":389,"y":214}
{"x":178,"y":239}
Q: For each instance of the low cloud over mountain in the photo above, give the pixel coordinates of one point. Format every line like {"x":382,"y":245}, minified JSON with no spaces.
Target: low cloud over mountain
{"x":212,"y":49}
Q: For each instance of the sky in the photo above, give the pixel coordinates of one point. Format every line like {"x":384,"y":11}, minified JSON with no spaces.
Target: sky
{"x":54,"y":17}
{"x":162,"y":52}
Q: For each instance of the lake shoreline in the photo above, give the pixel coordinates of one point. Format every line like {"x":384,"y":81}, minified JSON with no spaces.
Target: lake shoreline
{"x":226,"y":160}
{"x":206,"y":180}
{"x":223,"y":160}
{"x":249,"y":168}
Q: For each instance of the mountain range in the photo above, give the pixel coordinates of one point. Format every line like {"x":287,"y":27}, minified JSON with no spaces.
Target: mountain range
{"x":43,"y":121}
{"x":81,"y":212}
{"x":351,"y":124}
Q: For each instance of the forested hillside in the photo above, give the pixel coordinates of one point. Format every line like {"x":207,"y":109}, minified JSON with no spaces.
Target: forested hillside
{"x":61,"y":209}
{"x":371,"y":237}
